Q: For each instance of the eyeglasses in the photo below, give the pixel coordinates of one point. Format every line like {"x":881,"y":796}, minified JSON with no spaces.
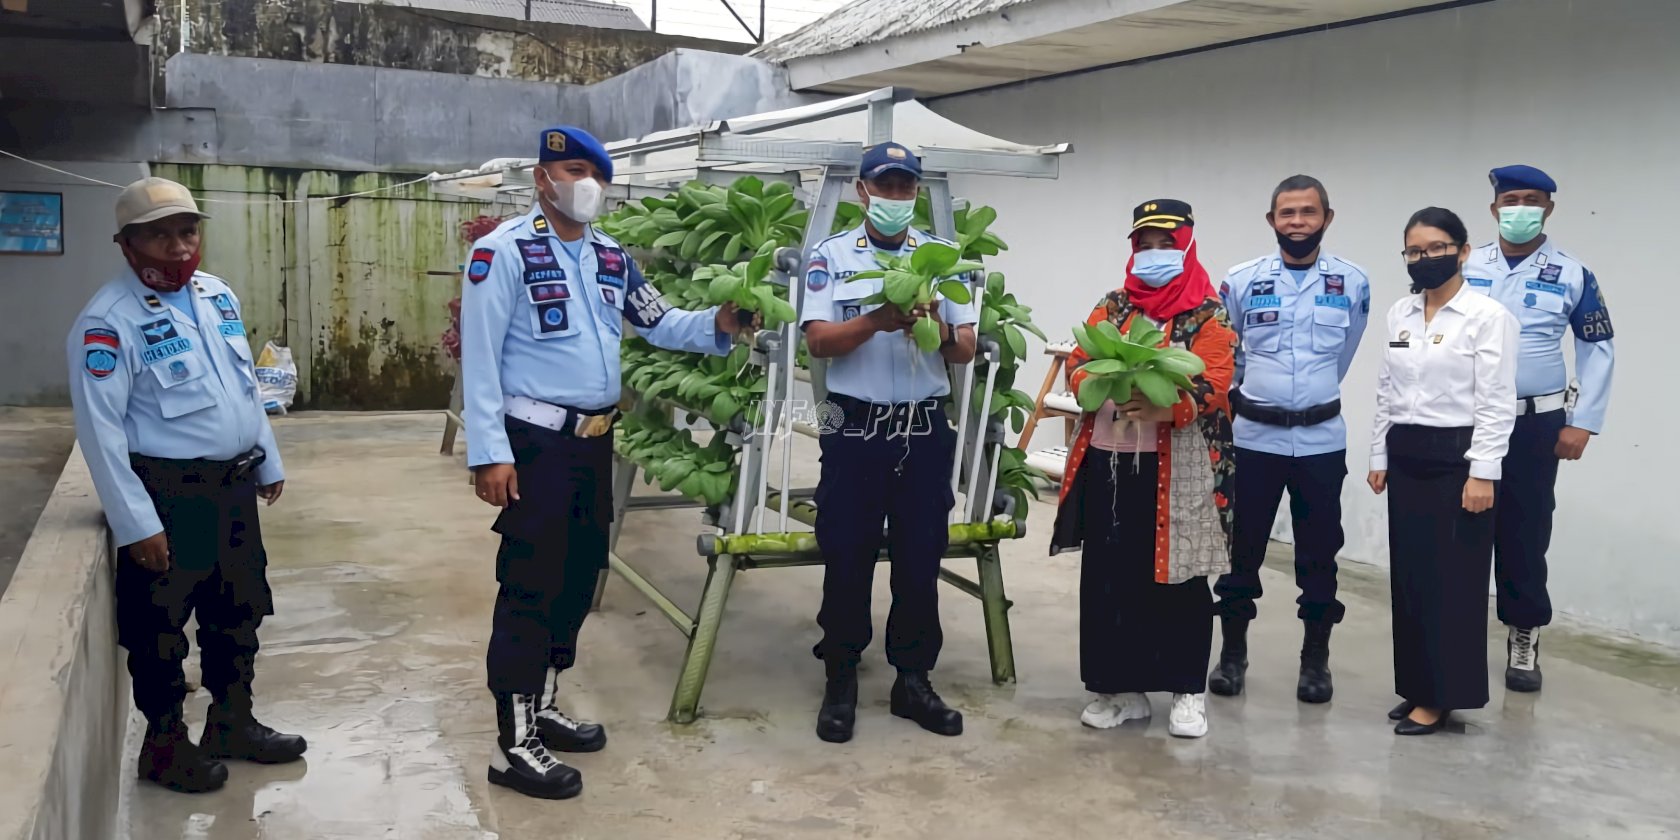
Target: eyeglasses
{"x":1435,"y":251}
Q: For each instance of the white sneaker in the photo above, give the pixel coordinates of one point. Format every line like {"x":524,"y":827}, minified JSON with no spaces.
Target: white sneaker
{"x":1111,"y":710}
{"x":1189,"y":716}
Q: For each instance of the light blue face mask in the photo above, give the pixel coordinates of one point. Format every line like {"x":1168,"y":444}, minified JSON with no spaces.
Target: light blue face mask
{"x":1157,"y":267}
{"x":1519,"y":225}
{"x":891,"y":216}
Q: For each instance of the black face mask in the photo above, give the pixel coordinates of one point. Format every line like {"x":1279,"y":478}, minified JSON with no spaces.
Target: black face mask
{"x":1433,"y":272}
{"x":1298,"y":249}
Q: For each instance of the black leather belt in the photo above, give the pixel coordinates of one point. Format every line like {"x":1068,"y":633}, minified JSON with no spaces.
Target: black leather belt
{"x":200,"y":470}
{"x":1274,"y":416}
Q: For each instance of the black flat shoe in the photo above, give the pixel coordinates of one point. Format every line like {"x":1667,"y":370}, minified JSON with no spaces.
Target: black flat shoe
{"x":1399,"y":713}
{"x":1407,"y":726}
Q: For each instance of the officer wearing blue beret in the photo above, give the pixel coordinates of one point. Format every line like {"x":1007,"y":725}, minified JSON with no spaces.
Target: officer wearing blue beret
{"x":1300,"y":312}
{"x":172,"y":427}
{"x":543,"y":307}
{"x":1550,"y":291}
{"x":889,"y":462}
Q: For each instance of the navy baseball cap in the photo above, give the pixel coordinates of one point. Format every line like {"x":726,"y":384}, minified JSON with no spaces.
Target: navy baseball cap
{"x":886,"y":157}
{"x":1520,"y":177}
{"x":567,"y":142}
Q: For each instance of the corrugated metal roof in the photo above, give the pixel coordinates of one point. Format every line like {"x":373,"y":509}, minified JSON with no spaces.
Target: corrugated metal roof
{"x":573,"y":12}
{"x":868,"y":21}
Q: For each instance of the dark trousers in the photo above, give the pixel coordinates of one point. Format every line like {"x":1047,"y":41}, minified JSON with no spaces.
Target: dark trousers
{"x":1439,"y":558}
{"x":886,"y":464}
{"x":218,"y":570}
{"x":1134,"y":634}
{"x":1526,"y":500}
{"x":554,"y":545}
{"x":1314,"y":483}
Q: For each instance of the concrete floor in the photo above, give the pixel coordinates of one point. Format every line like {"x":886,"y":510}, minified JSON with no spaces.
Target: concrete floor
{"x":382,"y":569}
{"x":33,"y":444}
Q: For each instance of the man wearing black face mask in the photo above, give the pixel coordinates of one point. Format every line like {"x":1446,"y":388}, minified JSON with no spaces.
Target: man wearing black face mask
{"x":1299,"y":313}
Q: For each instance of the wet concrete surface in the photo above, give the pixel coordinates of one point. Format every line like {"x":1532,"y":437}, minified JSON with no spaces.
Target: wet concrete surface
{"x":33,"y":445}
{"x":382,"y":566}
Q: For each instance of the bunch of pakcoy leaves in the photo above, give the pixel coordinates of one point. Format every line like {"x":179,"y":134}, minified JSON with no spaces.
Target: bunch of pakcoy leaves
{"x":910,"y":280}
{"x":718,"y":387}
{"x":1122,"y":364}
{"x":745,"y":286}
{"x":673,"y":459}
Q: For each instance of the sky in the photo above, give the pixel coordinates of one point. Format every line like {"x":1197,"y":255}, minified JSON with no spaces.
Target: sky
{"x":709,"y":18}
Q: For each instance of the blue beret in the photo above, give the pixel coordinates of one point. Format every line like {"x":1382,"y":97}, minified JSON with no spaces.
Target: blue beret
{"x":566,"y":142}
{"x":886,"y":157}
{"x":1520,"y":177}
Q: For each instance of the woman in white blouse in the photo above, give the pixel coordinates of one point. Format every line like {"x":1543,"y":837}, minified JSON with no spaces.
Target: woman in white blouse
{"x":1446,"y":403}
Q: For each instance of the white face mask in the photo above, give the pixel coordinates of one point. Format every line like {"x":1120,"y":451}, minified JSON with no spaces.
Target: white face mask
{"x":579,"y":200}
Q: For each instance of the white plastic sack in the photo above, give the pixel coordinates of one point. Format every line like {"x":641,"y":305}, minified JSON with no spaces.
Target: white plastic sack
{"x":276,"y":378}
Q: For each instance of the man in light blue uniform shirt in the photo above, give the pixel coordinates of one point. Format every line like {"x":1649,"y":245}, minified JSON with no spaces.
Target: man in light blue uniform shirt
{"x":1299,"y":313}
{"x":1550,"y":292}
{"x":171,"y":424}
{"x":543,"y":307}
{"x":888,"y":461}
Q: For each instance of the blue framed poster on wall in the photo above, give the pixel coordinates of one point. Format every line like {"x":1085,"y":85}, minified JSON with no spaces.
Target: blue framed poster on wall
{"x":31,"y":223}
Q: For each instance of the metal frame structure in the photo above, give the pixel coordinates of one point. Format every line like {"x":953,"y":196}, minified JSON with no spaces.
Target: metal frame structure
{"x":826,"y":168}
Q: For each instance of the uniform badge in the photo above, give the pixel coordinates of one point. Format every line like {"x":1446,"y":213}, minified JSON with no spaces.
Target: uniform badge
{"x":556,"y":141}
{"x":551,"y":316}
{"x":100,"y":348}
{"x":1264,"y":316}
{"x":479,"y":267}
{"x":849,"y":311}
{"x":1262,"y":287}
{"x":1436,"y":339}
{"x":1338,"y":301}
{"x":178,"y":370}
{"x":816,"y":276}
{"x":1551,"y":273}
{"x":536,"y":252}
{"x":540,"y":224}
{"x":162,"y":341}
{"x":545,"y":292}
{"x":1334,"y":285}
{"x":1529,"y":299}
{"x":224,"y":305}
{"x":1405,"y":335}
{"x":610,"y":259}
{"x":153,"y":302}
{"x":609,"y":297}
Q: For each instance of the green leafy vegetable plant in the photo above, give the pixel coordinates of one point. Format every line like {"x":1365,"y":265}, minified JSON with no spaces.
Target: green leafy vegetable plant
{"x":1123,"y":364}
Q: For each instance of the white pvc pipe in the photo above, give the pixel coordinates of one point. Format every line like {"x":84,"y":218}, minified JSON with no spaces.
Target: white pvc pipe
{"x":764,"y":448}
{"x":784,"y":428}
{"x":962,"y":406}
{"x":991,"y":486}
{"x":980,"y":437}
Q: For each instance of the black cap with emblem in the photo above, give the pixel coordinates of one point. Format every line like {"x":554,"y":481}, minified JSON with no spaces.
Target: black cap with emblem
{"x":1163,"y":213}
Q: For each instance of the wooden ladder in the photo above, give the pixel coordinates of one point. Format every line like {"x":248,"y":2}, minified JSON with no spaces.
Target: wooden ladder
{"x":1052,"y":404}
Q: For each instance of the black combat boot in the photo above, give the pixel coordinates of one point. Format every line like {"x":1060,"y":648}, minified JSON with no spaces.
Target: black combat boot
{"x":839,"y":705}
{"x":1315,"y":685}
{"x":520,"y":761}
{"x":1522,"y":659}
{"x":913,"y":698}
{"x":231,"y":731}
{"x":1228,"y":676}
{"x":557,"y":729}
{"x":169,"y":758}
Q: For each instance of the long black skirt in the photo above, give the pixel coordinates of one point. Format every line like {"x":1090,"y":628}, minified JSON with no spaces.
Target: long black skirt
{"x":1439,"y":559}
{"x":1134,"y":634}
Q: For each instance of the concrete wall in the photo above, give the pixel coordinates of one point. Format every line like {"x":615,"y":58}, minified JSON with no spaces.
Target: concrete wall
{"x":42,"y":294}
{"x":64,"y":702}
{"x":1394,"y":116}
{"x":398,"y":37}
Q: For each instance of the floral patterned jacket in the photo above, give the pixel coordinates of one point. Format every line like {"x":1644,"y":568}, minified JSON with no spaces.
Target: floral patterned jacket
{"x":1197,"y":471}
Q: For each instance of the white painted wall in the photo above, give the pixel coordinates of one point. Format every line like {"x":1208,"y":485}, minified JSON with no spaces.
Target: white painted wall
{"x":43,"y":293}
{"x":1394,"y":116}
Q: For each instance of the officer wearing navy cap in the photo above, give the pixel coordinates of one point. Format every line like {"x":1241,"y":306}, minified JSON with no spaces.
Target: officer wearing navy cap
{"x":889,"y":462}
{"x":1550,"y":291}
{"x":543,"y":307}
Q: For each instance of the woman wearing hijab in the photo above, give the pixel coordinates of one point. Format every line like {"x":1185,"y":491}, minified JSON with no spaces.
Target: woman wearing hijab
{"x":1446,"y":404}
{"x":1146,"y":492}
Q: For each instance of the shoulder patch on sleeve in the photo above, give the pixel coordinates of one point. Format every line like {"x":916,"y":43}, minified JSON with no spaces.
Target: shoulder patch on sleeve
{"x":478,"y":267}
{"x":100,"y":348}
